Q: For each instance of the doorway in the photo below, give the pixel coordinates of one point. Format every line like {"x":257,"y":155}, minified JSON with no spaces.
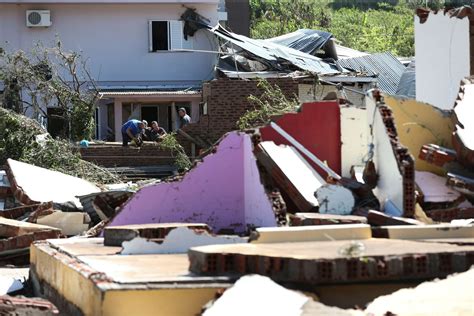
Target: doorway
{"x":150,"y":113}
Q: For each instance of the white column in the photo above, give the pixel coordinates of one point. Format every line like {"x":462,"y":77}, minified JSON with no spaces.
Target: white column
{"x":173,"y":116}
{"x":118,"y":120}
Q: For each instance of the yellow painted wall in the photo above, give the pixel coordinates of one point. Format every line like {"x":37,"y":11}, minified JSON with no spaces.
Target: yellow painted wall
{"x":83,"y":293}
{"x":166,"y":302}
{"x":419,"y":124}
{"x":72,"y":285}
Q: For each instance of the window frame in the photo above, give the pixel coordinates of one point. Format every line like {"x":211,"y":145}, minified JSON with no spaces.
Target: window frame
{"x":172,"y":26}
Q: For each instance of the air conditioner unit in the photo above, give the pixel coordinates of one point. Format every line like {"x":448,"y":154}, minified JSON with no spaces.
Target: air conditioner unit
{"x":38,"y":18}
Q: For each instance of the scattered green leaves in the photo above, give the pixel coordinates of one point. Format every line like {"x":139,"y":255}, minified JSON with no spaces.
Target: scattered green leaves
{"x":170,"y":143}
{"x":18,"y":141}
{"x":270,"y":103}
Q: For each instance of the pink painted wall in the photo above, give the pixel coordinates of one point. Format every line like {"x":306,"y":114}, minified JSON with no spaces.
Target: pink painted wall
{"x":224,"y":191}
{"x":317,"y":127}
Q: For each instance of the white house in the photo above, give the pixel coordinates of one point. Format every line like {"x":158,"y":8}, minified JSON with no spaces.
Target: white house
{"x":142,"y":64}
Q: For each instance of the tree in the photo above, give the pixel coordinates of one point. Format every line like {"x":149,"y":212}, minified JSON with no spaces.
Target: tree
{"x":53,"y":77}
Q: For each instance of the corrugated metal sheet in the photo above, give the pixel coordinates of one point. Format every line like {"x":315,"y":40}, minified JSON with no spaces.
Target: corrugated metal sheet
{"x":146,"y":93}
{"x":276,"y":55}
{"x":304,"y":40}
{"x":385,"y":66}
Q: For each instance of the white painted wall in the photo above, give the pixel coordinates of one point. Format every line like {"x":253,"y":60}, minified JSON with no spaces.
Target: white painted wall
{"x":390,"y":182}
{"x":115,"y":38}
{"x":354,"y":137}
{"x":442,"y":58}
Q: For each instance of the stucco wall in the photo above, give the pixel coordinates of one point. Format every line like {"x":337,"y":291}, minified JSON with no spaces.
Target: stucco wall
{"x":442,"y":58}
{"x":115,"y":38}
{"x":419,"y":124}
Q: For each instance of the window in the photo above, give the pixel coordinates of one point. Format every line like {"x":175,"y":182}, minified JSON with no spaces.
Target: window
{"x":167,"y":35}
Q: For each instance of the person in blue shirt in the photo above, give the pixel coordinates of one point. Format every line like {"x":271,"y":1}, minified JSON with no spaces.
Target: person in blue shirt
{"x":131,"y":130}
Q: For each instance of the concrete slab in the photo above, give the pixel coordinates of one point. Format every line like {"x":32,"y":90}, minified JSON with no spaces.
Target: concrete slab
{"x":92,"y":280}
{"x":33,"y":185}
{"x":434,"y":188}
{"x":334,"y":262}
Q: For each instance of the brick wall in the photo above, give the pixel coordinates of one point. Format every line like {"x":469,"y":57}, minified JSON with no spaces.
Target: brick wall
{"x":114,"y":155}
{"x":227,"y":100}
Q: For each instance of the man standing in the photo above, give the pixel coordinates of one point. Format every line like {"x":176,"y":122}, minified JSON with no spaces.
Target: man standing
{"x":184,"y":118}
{"x":131,"y":131}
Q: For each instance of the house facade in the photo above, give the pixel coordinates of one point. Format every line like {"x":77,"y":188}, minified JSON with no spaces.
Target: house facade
{"x":136,"y":51}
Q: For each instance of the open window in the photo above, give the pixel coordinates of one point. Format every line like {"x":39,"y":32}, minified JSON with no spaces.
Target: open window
{"x":167,"y":36}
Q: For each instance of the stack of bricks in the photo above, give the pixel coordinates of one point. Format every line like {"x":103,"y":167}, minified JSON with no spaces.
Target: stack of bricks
{"x":227,"y":100}
{"x":115,"y":155}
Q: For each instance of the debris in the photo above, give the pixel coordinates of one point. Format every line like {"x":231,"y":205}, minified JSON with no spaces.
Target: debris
{"x":70,"y":223}
{"x":259,"y":295}
{"x":380,"y":219}
{"x":13,"y":228}
{"x":178,"y":240}
{"x":420,"y":232}
{"x":434,"y":191}
{"x":463,"y":139}
{"x":334,"y":199}
{"x":223,"y":191}
{"x":320,"y":262}
{"x":293,"y":175}
{"x":309,"y":219}
{"x":22,"y":306}
{"x":438,"y":297}
{"x":116,"y":235}
{"x":310,"y":233}
{"x":33,"y":185}
{"x":103,"y":205}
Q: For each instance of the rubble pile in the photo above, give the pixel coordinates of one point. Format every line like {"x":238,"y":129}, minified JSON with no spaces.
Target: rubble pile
{"x":335,"y":208}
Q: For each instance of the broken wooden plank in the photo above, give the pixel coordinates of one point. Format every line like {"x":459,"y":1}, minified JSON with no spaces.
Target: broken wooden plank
{"x":13,"y":228}
{"x":311,"y":233}
{"x":292,"y":173}
{"x":424,"y":231}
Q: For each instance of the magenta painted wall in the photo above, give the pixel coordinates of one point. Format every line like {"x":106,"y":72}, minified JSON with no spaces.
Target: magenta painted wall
{"x":224,"y":191}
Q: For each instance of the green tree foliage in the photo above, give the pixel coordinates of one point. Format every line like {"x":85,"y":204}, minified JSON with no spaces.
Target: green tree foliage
{"x":18,"y":141}
{"x":53,"y":77}
{"x":387,"y":28}
{"x":270,"y":103}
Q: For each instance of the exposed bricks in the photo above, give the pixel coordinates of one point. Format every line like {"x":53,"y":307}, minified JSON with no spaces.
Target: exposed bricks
{"x":227,"y":100}
{"x":26,"y":306}
{"x":302,"y":269}
{"x":115,"y":155}
{"x":308,"y":219}
{"x":406,"y":163}
{"x":24,"y":241}
{"x":436,"y":155}
{"x":447,"y":215}
{"x":16,"y":212}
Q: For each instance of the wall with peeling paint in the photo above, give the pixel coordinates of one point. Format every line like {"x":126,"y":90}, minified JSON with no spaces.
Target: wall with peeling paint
{"x":419,"y":124}
{"x":354,"y":138}
{"x":442,"y":51}
{"x":224,"y":191}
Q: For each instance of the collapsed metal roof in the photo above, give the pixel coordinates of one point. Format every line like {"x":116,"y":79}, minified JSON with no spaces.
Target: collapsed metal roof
{"x":385,"y":66}
{"x":304,"y":40}
{"x":275,"y":56}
